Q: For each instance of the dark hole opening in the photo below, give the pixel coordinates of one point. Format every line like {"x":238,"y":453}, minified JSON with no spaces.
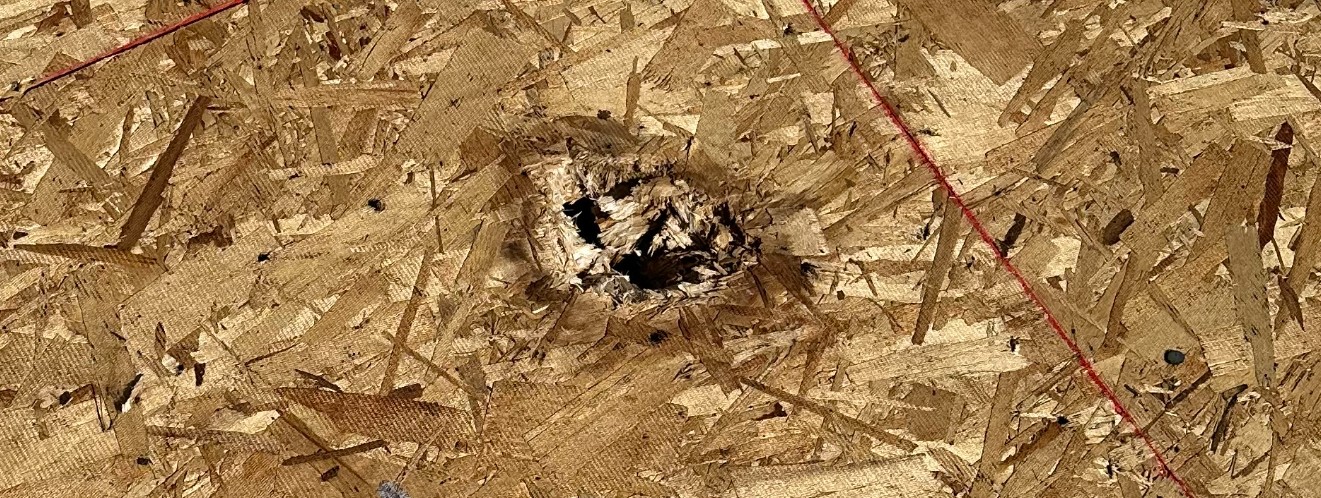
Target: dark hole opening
{"x":1174,"y":356}
{"x":623,"y":189}
{"x":777,"y":410}
{"x":654,"y":270}
{"x":657,"y":336}
{"x":658,"y":271}
{"x":583,"y":212}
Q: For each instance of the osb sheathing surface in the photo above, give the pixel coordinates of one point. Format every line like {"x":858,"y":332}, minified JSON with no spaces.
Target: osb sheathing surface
{"x":604,"y":248}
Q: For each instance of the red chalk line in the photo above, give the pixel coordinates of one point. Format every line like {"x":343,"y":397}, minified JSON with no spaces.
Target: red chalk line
{"x":990,"y":241}
{"x":136,"y":42}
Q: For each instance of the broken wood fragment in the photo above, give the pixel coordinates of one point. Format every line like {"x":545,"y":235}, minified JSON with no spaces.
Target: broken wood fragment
{"x":152,"y":196}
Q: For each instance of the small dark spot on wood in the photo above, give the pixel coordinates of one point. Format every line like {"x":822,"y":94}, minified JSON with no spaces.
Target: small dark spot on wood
{"x":332,"y":48}
{"x":320,"y":381}
{"x":376,"y":204}
{"x":330,"y":473}
{"x":1062,"y":420}
{"x":411,"y":391}
{"x":1268,"y":212}
{"x":127,"y":393}
{"x":808,"y":269}
{"x":777,"y":410}
{"x":143,"y":460}
{"x":1115,"y":228}
{"x":623,"y":189}
{"x":311,"y":15}
{"x":657,"y":336}
{"x":66,"y":397}
{"x":789,"y":30}
{"x":1174,"y":356}
{"x":199,"y":371}
{"x":18,"y":234}
{"x":603,"y":114}
{"x":263,"y":257}
{"x":1013,"y":344}
{"x":1015,"y":231}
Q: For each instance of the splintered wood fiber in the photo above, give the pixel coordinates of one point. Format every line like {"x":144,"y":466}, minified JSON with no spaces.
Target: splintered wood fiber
{"x":660,"y":248}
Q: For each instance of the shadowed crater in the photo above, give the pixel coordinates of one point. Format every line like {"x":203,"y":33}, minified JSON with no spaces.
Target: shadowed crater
{"x":657,"y":233}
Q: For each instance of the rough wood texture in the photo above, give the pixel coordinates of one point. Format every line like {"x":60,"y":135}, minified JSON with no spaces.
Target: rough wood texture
{"x":613,"y":248}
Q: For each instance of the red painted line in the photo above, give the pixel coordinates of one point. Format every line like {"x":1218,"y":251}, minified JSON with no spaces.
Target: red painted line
{"x":939,"y":174}
{"x":136,"y":42}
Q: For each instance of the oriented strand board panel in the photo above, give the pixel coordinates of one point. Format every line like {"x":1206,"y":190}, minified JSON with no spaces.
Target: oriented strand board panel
{"x":679,"y":248}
